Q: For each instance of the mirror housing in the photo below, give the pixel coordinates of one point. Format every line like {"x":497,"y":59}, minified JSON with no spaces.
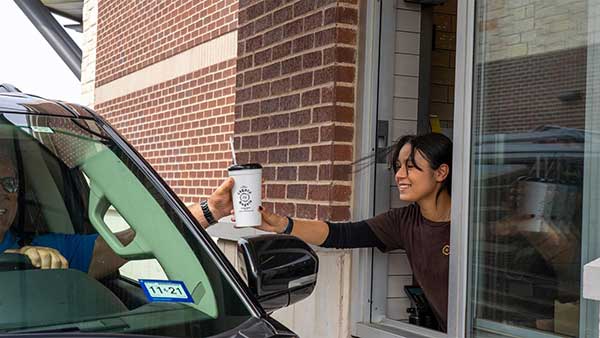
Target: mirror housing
{"x":279,"y":269}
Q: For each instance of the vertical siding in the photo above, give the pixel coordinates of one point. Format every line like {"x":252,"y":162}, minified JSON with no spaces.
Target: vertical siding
{"x":406,"y":96}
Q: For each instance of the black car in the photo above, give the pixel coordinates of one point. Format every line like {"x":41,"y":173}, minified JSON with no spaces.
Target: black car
{"x":75,"y":176}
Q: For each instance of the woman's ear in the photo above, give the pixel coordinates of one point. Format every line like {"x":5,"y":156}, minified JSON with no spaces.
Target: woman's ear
{"x":442,"y":173}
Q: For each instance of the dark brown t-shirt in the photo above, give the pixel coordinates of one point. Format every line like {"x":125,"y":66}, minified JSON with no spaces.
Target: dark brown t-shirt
{"x":427,"y":245}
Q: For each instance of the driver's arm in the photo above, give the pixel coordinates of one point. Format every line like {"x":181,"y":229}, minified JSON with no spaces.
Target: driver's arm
{"x":104,"y":260}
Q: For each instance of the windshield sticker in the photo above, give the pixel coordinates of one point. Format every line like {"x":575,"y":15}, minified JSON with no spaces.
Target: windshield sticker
{"x":166,"y":291}
{"x":45,"y":130}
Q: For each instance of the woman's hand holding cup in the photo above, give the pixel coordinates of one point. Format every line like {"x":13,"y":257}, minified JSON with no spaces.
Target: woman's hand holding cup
{"x":270,"y":222}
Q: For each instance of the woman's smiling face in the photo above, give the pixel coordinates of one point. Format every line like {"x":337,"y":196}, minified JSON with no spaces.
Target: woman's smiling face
{"x":414,"y":184}
{"x":8,"y":198}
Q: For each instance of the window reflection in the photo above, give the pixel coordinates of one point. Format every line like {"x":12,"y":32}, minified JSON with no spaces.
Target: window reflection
{"x":531,"y":164}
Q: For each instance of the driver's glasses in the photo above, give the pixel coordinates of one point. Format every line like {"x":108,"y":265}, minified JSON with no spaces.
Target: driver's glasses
{"x":9,"y":184}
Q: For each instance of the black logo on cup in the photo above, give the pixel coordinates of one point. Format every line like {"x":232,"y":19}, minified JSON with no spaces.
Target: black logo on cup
{"x":244,"y":196}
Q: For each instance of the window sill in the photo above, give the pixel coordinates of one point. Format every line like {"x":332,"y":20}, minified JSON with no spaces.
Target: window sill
{"x":372,"y":330}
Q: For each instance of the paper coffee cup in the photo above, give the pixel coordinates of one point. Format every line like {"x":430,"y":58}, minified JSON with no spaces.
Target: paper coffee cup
{"x":246,"y":193}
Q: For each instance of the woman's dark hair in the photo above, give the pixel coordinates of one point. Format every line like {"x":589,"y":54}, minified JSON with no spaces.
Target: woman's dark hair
{"x":434,"y":147}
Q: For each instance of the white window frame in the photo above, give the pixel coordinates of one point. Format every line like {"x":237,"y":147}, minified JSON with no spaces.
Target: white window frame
{"x":366,"y":305}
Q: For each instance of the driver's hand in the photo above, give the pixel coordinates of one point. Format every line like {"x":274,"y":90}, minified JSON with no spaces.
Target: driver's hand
{"x":44,"y":258}
{"x":219,"y":202}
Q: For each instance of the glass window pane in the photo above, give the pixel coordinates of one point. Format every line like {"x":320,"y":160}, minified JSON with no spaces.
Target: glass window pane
{"x":533,"y":132}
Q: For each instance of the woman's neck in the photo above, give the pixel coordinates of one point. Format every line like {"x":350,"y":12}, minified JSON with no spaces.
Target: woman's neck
{"x":436,"y":208}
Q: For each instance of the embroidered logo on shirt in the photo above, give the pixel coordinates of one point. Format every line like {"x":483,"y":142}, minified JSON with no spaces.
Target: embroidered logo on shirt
{"x":446,"y":250}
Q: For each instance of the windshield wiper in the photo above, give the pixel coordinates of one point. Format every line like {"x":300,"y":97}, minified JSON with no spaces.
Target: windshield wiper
{"x":98,"y":325}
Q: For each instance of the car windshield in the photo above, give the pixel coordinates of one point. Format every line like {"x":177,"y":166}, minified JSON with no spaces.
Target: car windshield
{"x":65,"y":184}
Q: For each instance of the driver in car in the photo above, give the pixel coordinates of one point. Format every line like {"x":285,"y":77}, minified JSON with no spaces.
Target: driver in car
{"x":87,"y":253}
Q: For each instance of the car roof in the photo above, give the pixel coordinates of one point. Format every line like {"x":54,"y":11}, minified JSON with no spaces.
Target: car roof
{"x":20,"y":103}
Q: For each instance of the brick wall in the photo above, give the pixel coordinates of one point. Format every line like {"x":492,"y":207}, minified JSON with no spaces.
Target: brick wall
{"x":181,"y":118}
{"x":135,"y":34}
{"x":520,"y":94}
{"x":182,"y":127}
{"x":295,"y":101}
{"x":517,"y":28}
{"x":443,"y":58}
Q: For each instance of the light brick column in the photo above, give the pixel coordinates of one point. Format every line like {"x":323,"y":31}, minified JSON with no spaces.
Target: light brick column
{"x":88,"y":61}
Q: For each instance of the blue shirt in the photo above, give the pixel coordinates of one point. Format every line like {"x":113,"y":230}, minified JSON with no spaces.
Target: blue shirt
{"x":77,"y":249}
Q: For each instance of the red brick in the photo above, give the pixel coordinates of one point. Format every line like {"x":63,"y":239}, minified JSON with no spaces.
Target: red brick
{"x":339,"y":54}
{"x":313,"y":21}
{"x":341,"y":193}
{"x":282,"y":15}
{"x":276,"y":190}
{"x":342,"y":152}
{"x":300,"y":118}
{"x":252,"y":76}
{"x":255,"y":11}
{"x":327,"y":95}
{"x":302,"y":7}
{"x":337,"y":133}
{"x":311,"y":60}
{"x":301,"y":81}
{"x":323,"y":3}
{"x":288,"y":137}
{"x":333,"y":213}
{"x":346,"y":36}
{"x":281,"y":86}
{"x":278,"y":156}
{"x":259,"y":124}
{"x":293,"y":28}
{"x":344,"y":15}
{"x":344,"y":94}
{"x":319,"y":192}
{"x":263,"y":23}
{"x":246,"y":31}
{"x":268,"y":173}
{"x":263,"y":57}
{"x":268,"y":140}
{"x":249,"y":142}
{"x":259,"y":156}
{"x":296,"y":191}
{"x":299,"y":154}
{"x":311,"y":97}
{"x":239,"y":80}
{"x":325,"y":37}
{"x":285,"y":209}
{"x":242,"y":126}
{"x":271,"y":71}
{"x":279,"y":121}
{"x":273,"y":36}
{"x":324,"y":75}
{"x":310,"y":135}
{"x":291,"y":65}
{"x":303,"y":43}
{"x":251,"y":109}
{"x":344,"y":74}
{"x":306,"y":211}
{"x":272,"y":4}
{"x":282,"y":50}
{"x":290,"y":102}
{"x":243,"y":95}
{"x":287,"y":173}
{"x":254,"y":44}
{"x":321,"y":153}
{"x":260,"y":91}
{"x":244,"y":63}
{"x":307,"y":173}
{"x":269,"y":106}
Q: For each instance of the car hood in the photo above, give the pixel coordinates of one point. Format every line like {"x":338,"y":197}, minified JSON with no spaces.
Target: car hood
{"x":252,"y":328}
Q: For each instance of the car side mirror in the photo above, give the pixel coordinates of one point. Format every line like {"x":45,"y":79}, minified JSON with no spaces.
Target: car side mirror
{"x":280,"y":269}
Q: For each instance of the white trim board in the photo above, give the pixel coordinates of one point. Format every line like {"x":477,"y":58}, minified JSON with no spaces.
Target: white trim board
{"x":204,"y":55}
